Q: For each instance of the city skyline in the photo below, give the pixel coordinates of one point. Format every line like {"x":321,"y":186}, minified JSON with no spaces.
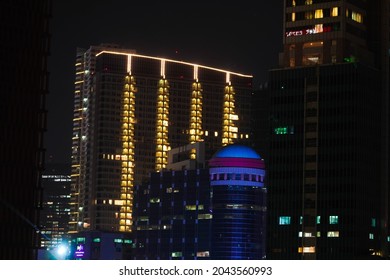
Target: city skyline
{"x":138,"y":98}
{"x":221,"y":36}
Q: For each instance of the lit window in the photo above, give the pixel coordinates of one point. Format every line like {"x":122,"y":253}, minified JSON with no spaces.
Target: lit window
{"x":280,"y":130}
{"x":319,"y":13}
{"x":373,"y":222}
{"x":333,"y":220}
{"x":193,"y":207}
{"x":205,"y":216}
{"x":96,"y":240}
{"x":176,"y":254}
{"x":154,"y":200}
{"x":294,"y":3}
{"x":319,"y":28}
{"x":388,"y":239}
{"x":203,"y":254}
{"x":308,"y":2}
{"x":357,"y":17}
{"x":333,"y":234}
{"x":311,"y":249}
{"x":334,"y":12}
{"x":293,"y":17}
{"x":80,"y":239}
{"x":284,"y":220}
{"x":118,"y":240}
{"x":371,"y":236}
{"x":284,"y":130}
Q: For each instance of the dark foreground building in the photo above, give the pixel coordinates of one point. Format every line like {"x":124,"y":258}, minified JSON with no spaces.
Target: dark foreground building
{"x":327,"y":140}
{"x":24,"y":33}
{"x":55,"y":208}
{"x":324,"y":170}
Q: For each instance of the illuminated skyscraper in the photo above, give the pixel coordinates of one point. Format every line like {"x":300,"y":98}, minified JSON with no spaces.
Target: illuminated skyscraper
{"x":24,"y":52}
{"x":328,"y":132}
{"x":130,"y":110}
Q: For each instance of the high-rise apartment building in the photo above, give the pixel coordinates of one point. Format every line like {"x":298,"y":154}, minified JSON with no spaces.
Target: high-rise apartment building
{"x":327,"y":123}
{"x":129,"y":111}
{"x":25,"y":37}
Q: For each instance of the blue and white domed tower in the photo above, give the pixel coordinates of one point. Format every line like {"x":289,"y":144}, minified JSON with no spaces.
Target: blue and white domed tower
{"x":238,"y":202}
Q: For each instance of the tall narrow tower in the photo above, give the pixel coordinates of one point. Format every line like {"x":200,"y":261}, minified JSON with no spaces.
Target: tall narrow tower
{"x":24,"y":29}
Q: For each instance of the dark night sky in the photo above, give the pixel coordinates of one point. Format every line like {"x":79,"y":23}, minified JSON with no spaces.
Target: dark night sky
{"x":238,"y":36}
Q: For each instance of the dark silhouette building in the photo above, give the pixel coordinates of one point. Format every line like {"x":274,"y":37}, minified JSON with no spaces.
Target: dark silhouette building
{"x":24,"y":33}
{"x":172,"y":213}
{"x":55,"y":206}
{"x":327,"y":132}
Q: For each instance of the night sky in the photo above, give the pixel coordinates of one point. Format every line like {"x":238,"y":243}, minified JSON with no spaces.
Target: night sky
{"x":241,"y":36}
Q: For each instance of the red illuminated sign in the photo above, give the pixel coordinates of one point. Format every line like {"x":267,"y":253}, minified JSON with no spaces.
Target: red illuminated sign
{"x":317,"y":29}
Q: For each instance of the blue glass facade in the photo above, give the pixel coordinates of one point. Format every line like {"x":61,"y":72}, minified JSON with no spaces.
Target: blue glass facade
{"x":238,"y":204}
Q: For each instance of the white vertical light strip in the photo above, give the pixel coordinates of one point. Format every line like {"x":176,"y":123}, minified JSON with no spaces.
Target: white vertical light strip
{"x":129,"y":64}
{"x":196,"y":70}
{"x":228,"y":78}
{"x":162,"y":68}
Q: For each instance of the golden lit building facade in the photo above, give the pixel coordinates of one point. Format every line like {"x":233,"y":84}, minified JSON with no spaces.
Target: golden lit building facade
{"x":129,"y":111}
{"x":325,"y":31}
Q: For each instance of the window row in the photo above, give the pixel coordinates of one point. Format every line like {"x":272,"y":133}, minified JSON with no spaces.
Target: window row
{"x":286,"y":220}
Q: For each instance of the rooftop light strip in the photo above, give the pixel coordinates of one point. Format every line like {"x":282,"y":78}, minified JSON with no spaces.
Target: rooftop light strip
{"x":174,"y":61}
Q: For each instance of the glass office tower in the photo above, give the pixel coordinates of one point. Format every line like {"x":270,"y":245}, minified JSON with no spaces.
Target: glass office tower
{"x":327,"y":132}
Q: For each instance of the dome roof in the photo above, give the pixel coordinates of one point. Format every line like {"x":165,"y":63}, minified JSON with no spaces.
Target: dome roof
{"x":236,"y":151}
